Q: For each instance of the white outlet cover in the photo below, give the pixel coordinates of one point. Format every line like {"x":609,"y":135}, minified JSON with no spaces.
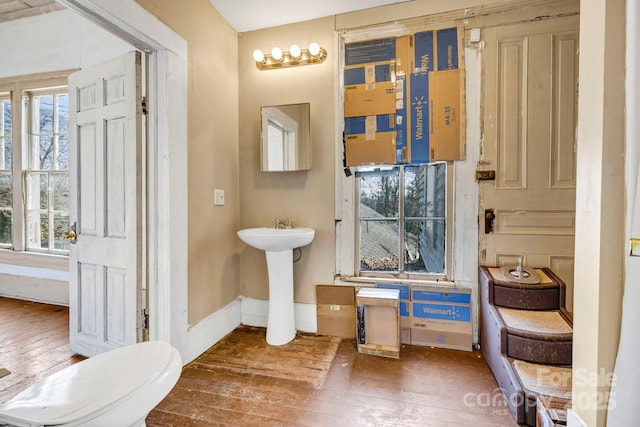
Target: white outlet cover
{"x":218,"y":197}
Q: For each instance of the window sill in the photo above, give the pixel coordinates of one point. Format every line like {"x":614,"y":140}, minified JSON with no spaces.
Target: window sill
{"x":368,"y":280}
{"x":34,"y":259}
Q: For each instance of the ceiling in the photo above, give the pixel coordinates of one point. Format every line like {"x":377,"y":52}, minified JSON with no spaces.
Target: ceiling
{"x":16,"y":9}
{"x":248,"y":15}
{"x":242,"y":15}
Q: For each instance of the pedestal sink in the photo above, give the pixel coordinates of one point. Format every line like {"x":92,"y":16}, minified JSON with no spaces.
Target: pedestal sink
{"x":278,"y":244}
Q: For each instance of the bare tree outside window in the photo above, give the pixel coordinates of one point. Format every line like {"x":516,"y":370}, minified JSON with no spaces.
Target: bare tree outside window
{"x":402,"y":219}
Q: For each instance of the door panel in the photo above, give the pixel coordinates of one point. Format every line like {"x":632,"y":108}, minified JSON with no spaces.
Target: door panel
{"x":106,"y":260}
{"x":529,"y":120}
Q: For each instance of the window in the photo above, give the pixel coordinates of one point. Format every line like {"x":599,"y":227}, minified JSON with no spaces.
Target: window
{"x":47,"y":171}
{"x":6,"y":191}
{"x":402,"y":219}
{"x":34,"y":189}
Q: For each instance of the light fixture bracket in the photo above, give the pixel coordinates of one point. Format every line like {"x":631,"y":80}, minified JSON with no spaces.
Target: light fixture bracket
{"x":288,"y":60}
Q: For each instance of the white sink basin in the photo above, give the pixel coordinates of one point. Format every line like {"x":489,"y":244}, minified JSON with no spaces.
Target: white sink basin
{"x":278,"y":244}
{"x":276,"y":239}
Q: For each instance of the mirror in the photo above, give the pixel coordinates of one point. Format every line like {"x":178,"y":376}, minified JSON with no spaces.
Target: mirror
{"x":285,"y":138}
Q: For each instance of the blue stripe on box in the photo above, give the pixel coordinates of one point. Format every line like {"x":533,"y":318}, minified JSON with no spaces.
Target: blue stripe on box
{"x":457,"y":313}
{"x":357,"y":125}
{"x":370,"y":51}
{"x":447,"y":49}
{"x":456,"y":297}
{"x":423,"y":50}
{"x":404,"y":289}
{"x":401,"y":120}
{"x":404,"y":308}
{"x":419,"y":110}
{"x":356,"y":76}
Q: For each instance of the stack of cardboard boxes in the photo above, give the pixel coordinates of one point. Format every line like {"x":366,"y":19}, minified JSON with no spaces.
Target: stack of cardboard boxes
{"x":437,"y":316}
{"x":404,"y":99}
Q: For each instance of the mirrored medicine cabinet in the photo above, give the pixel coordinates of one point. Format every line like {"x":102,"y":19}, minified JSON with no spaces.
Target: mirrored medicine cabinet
{"x":285,"y":138}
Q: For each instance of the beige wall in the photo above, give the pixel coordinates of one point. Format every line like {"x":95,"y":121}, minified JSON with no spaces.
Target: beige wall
{"x":212,"y":150}
{"x":224,"y":153}
{"x":305,"y":196}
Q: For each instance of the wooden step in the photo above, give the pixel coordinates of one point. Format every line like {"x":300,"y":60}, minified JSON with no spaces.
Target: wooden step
{"x":549,"y":294}
{"x":538,"y":336}
{"x":544,"y":380}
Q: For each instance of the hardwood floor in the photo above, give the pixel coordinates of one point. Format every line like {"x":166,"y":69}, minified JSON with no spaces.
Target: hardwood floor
{"x":425,"y":387}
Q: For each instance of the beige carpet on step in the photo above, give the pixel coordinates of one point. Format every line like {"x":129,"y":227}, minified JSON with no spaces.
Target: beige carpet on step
{"x":548,"y":380}
{"x":307,"y":358}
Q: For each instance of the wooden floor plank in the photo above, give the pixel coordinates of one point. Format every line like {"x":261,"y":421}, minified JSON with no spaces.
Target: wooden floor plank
{"x":425,"y":387}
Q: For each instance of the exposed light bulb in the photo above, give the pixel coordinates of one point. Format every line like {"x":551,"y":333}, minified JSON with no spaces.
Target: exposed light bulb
{"x":276,"y":53}
{"x":314,"y":48}
{"x":258,"y":56}
{"x":294,"y":50}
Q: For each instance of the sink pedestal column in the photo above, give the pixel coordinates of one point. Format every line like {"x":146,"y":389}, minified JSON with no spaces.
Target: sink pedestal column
{"x":281,"y":327}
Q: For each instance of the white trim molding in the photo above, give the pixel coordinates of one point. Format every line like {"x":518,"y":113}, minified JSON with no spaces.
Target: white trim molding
{"x":210,"y":330}
{"x":167,"y":222}
{"x":255,"y":313}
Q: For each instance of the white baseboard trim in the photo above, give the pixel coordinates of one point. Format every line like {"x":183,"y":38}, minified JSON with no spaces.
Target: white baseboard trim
{"x":573,"y":420}
{"x":246,"y":311}
{"x":212,"y":329}
{"x":34,"y":289}
{"x":255,"y":313}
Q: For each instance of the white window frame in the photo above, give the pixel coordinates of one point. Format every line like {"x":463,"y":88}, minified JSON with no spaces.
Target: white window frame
{"x":15,"y":87}
{"x":401,"y":220}
{"x":346,"y":213}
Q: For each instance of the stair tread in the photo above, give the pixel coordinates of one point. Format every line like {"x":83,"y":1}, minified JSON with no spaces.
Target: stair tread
{"x":547,"y":380}
{"x":541,"y":322}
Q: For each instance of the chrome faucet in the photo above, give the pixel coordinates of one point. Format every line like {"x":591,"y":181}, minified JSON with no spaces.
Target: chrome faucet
{"x":279,"y":224}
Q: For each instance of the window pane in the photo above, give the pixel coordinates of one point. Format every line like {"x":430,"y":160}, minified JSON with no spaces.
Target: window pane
{"x":425,"y":190}
{"x":60,"y":192}
{"x":63,"y":131}
{"x":5,"y":226}
{"x":60,"y":225}
{"x":379,"y":243}
{"x":379,"y":195}
{"x":5,"y":190}
{"x":5,"y":135}
{"x":6,"y":212}
{"x":425,"y":246}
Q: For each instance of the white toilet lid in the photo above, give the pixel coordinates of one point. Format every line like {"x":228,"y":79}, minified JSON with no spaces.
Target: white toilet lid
{"x":90,"y":386}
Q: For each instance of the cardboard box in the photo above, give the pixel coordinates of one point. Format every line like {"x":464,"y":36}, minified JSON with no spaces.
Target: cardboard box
{"x":404,"y":309}
{"x":405,"y":59}
{"x":403,"y":153}
{"x":369,"y":74}
{"x":369,"y":100}
{"x":551,"y":411}
{"x":419,"y":135}
{"x":370,"y":140}
{"x":424,"y":51}
{"x":336,"y":310}
{"x":446,"y":115}
{"x":368,"y":51}
{"x":441,"y":317}
{"x":420,"y":78}
{"x":378,"y":322}
{"x":380,"y":151}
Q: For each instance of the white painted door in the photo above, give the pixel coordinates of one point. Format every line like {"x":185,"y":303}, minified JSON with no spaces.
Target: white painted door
{"x":530,"y":97}
{"x":105,"y":182}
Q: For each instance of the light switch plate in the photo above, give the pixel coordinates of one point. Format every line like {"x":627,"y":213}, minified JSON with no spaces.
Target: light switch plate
{"x":218,"y":197}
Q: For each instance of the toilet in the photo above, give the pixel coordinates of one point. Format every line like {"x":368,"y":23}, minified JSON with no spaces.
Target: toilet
{"x":114,"y":389}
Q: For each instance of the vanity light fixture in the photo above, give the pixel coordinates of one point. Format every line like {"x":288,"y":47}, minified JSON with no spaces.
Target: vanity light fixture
{"x":294,"y":57}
